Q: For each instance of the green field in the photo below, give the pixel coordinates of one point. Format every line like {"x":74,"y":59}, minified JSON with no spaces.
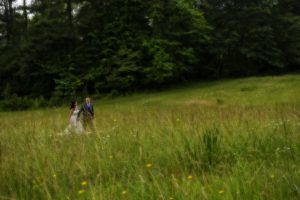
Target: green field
{"x":231,"y":139}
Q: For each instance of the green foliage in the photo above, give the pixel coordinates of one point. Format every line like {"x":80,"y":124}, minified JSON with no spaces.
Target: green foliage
{"x":15,"y":103}
{"x":68,"y":47}
{"x":244,"y":37}
{"x":67,"y":85}
{"x":162,"y":67}
{"x":288,"y":19}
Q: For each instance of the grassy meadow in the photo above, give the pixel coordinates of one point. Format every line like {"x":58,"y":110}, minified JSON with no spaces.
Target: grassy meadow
{"x":230,"y":139}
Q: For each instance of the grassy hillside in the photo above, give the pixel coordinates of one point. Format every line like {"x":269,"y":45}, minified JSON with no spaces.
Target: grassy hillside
{"x":233,"y":139}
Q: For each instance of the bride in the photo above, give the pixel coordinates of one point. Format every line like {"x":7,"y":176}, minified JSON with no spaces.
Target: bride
{"x":75,"y":125}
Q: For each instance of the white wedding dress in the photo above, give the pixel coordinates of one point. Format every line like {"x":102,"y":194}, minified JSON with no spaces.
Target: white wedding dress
{"x":75,"y":125}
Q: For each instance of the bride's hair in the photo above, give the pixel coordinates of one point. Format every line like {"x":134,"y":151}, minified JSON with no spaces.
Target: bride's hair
{"x":72,"y":105}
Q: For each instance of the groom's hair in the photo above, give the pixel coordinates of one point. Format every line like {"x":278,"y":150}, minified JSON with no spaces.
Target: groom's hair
{"x":89,"y":98}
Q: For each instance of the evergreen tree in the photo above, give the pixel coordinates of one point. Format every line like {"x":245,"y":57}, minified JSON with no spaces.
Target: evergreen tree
{"x":58,"y":48}
{"x":287,"y":26}
{"x":244,"y":40}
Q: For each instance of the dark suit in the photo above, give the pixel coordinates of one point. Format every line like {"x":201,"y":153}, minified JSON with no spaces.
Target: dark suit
{"x":88,"y":115}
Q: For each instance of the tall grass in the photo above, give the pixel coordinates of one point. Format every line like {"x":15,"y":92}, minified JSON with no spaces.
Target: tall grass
{"x":180,"y":144}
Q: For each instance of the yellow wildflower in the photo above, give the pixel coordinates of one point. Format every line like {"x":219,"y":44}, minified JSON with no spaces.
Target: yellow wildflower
{"x":84,"y":183}
{"x":190,"y":177}
{"x":124,"y":192}
{"x":149,"y":165}
{"x":80,"y":191}
{"x":221,"y":191}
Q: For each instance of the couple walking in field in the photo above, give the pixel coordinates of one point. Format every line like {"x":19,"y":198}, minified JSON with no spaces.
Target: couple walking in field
{"x":75,"y":124}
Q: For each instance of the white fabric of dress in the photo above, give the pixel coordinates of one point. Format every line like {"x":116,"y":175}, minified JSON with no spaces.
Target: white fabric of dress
{"x":75,"y":125}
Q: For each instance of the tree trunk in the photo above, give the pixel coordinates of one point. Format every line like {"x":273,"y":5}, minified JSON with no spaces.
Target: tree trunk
{"x":70,"y":15}
{"x":25,"y":14}
{"x":9,"y":18}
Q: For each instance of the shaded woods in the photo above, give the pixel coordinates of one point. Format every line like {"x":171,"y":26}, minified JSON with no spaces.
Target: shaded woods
{"x":57,"y":48}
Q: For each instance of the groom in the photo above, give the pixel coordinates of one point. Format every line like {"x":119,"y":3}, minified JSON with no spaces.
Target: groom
{"x":88,"y":114}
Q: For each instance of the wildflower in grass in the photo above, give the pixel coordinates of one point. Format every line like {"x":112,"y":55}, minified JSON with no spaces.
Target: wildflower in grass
{"x":149,"y":165}
{"x":54,"y":175}
{"x":81,"y":191}
{"x":124,"y":192}
{"x":190,"y":177}
{"x":84,"y":183}
{"x":221,"y":191}
{"x":111,"y":157}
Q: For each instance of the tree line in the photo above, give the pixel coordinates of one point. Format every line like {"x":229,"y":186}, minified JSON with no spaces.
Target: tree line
{"x":57,"y":48}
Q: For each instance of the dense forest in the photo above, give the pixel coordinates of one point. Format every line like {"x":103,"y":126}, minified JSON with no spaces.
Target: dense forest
{"x":58,"y":48}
